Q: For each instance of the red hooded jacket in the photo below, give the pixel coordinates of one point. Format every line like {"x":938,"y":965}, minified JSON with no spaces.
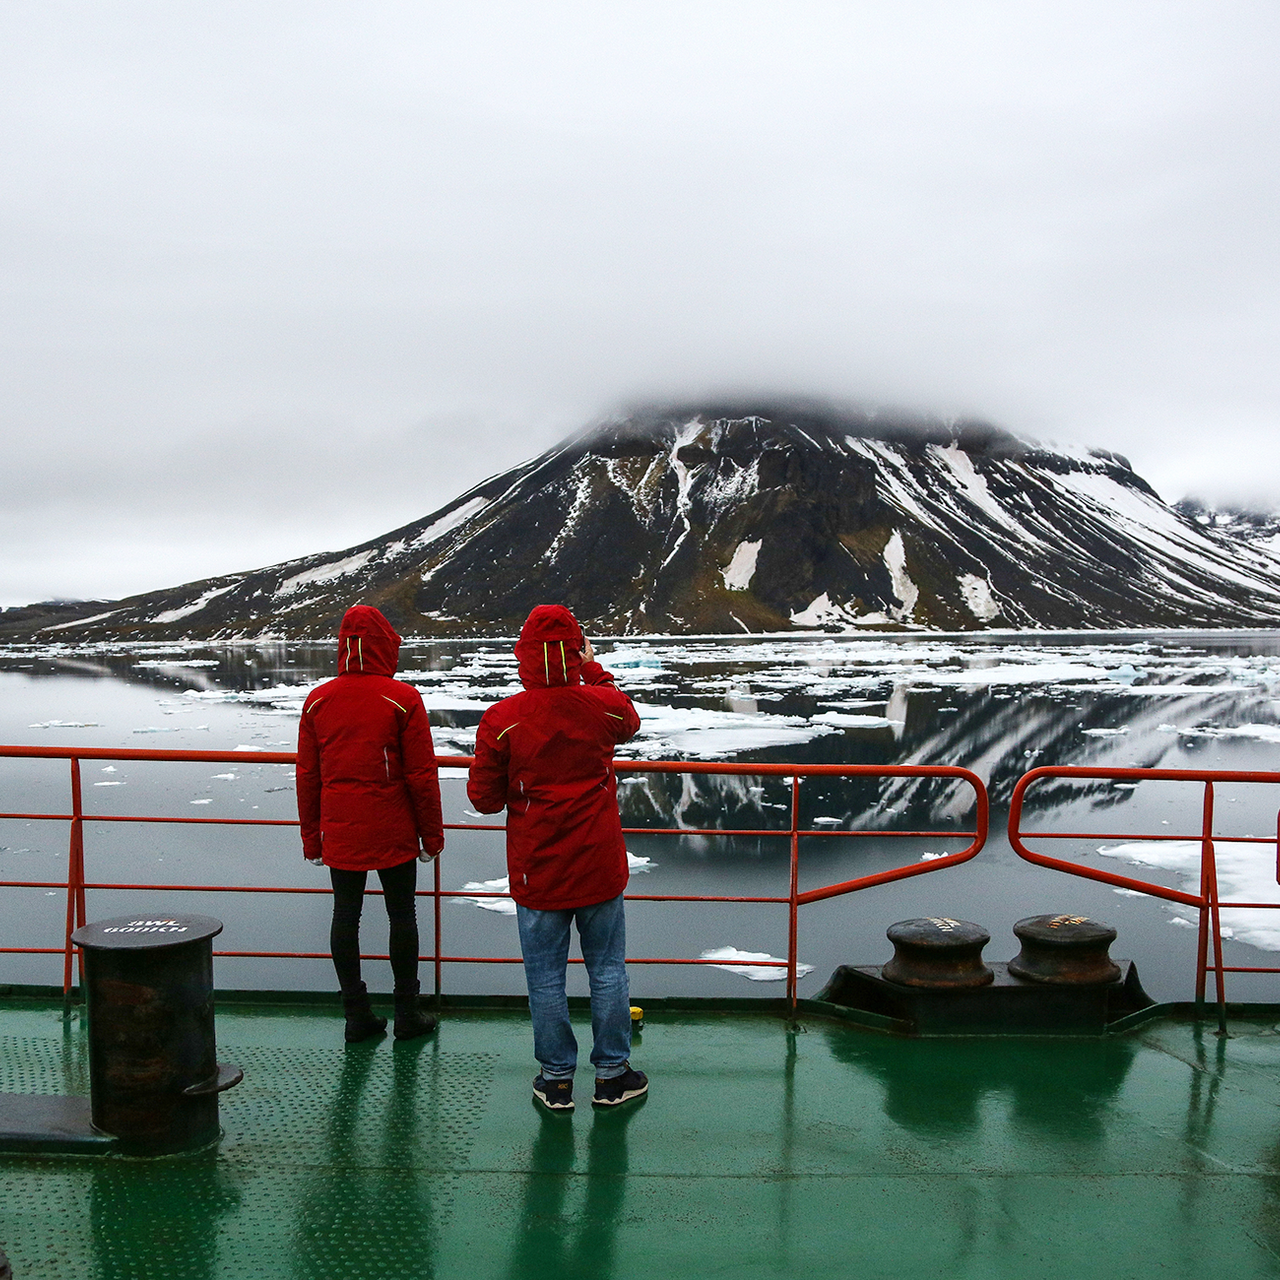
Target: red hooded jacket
{"x":546,"y":755}
{"x":368,"y":789}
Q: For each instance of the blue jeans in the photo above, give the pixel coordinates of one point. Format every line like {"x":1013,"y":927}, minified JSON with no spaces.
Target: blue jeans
{"x":544,"y":943}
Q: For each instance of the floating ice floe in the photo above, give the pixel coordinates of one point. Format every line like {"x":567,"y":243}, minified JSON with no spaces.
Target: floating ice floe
{"x":1126,"y":673}
{"x":845,"y":720}
{"x":1246,"y":873}
{"x":153,"y":664}
{"x":1260,"y":732}
{"x":1171,"y":690}
{"x":632,"y":660}
{"x":200,"y":802}
{"x":1012,"y":673}
{"x":153,"y":729}
{"x":504,"y":906}
{"x":701,"y":733}
{"x":66,"y":724}
{"x":758,"y":970}
{"x":447,"y":700}
{"x":1106,"y":733}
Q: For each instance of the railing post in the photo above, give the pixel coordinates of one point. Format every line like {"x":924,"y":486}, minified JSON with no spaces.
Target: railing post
{"x":439,"y":949}
{"x":75,"y":881}
{"x":1202,"y":932}
{"x":1209,"y":883}
{"x":793,"y":905}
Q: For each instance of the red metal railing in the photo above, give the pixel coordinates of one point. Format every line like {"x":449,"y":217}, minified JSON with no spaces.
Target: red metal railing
{"x":1206,"y":902}
{"x":77,"y":885}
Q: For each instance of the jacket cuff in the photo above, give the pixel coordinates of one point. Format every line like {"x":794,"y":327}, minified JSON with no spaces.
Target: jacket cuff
{"x":594,"y":673}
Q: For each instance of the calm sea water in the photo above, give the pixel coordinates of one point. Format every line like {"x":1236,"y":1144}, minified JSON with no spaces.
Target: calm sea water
{"x":998,"y":705}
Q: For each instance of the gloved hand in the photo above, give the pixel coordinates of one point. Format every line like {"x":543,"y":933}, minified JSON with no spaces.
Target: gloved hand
{"x":316,"y":862}
{"x":429,"y":851}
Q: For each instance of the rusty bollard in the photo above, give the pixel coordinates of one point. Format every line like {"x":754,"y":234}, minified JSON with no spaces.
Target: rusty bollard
{"x":1068,"y":951}
{"x":939,"y":953}
{"x":154,"y":1079}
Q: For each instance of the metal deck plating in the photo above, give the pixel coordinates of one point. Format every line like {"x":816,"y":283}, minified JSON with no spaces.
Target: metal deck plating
{"x":760,"y":1151}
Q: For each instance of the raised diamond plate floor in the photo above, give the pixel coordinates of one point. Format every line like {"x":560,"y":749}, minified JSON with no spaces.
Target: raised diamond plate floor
{"x":832,"y":1153}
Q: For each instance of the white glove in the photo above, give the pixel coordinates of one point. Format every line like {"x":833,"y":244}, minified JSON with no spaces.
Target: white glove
{"x":316,"y":862}
{"x":424,"y":856}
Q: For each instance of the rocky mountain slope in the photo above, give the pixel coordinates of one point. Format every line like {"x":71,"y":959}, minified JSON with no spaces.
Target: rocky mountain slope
{"x":754,"y":518}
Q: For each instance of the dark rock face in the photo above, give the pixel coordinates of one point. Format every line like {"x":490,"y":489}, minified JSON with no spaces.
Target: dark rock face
{"x":752,"y":518}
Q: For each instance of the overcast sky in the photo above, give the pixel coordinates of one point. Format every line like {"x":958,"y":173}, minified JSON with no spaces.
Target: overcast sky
{"x":279,"y":277}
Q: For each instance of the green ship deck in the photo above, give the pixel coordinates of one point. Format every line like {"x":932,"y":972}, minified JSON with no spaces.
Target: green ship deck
{"x":761,"y":1152}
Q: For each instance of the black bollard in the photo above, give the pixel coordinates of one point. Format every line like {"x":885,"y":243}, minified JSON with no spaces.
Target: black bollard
{"x":154,"y":1078}
{"x":6,"y":1271}
{"x":1067,"y":951}
{"x":939,"y":953}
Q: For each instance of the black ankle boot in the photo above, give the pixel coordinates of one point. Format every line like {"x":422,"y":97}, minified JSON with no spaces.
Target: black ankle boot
{"x":411,"y":1022}
{"x":362,"y":1022}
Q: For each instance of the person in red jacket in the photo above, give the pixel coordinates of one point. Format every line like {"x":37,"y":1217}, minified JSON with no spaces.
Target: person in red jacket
{"x":369,"y":800}
{"x":546,"y":756}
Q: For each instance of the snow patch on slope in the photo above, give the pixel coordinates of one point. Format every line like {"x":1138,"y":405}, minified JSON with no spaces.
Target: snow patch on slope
{"x":821,"y":613}
{"x":186,"y":610}
{"x":978,"y":598}
{"x":82,"y":622}
{"x":326,"y":572}
{"x":737,"y":574}
{"x":450,"y":520}
{"x":895,"y":560}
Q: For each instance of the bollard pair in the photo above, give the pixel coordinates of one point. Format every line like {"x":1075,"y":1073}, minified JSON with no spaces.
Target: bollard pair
{"x":940,"y":953}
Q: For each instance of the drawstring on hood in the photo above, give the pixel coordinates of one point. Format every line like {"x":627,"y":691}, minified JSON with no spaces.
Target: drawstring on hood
{"x":367,"y":643}
{"x":550,"y":648}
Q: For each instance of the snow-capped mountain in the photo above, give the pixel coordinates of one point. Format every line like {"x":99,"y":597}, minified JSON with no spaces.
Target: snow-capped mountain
{"x":759,"y":518}
{"x":1261,"y":528}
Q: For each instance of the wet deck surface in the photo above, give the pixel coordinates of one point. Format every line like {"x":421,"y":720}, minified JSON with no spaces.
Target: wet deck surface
{"x":759,"y":1153}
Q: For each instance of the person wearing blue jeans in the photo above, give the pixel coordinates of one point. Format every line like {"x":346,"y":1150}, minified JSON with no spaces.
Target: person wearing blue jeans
{"x":546,"y":756}
{"x":544,"y":942}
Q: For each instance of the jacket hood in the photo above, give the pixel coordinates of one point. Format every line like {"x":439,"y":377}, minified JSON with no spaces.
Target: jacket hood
{"x":367,"y":643}
{"x":550,"y":648}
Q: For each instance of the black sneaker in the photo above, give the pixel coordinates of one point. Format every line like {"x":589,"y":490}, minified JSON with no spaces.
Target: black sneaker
{"x":555,"y":1095}
{"x":630,"y":1084}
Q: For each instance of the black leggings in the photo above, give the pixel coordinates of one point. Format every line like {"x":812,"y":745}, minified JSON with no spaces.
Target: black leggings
{"x":398,"y":885}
